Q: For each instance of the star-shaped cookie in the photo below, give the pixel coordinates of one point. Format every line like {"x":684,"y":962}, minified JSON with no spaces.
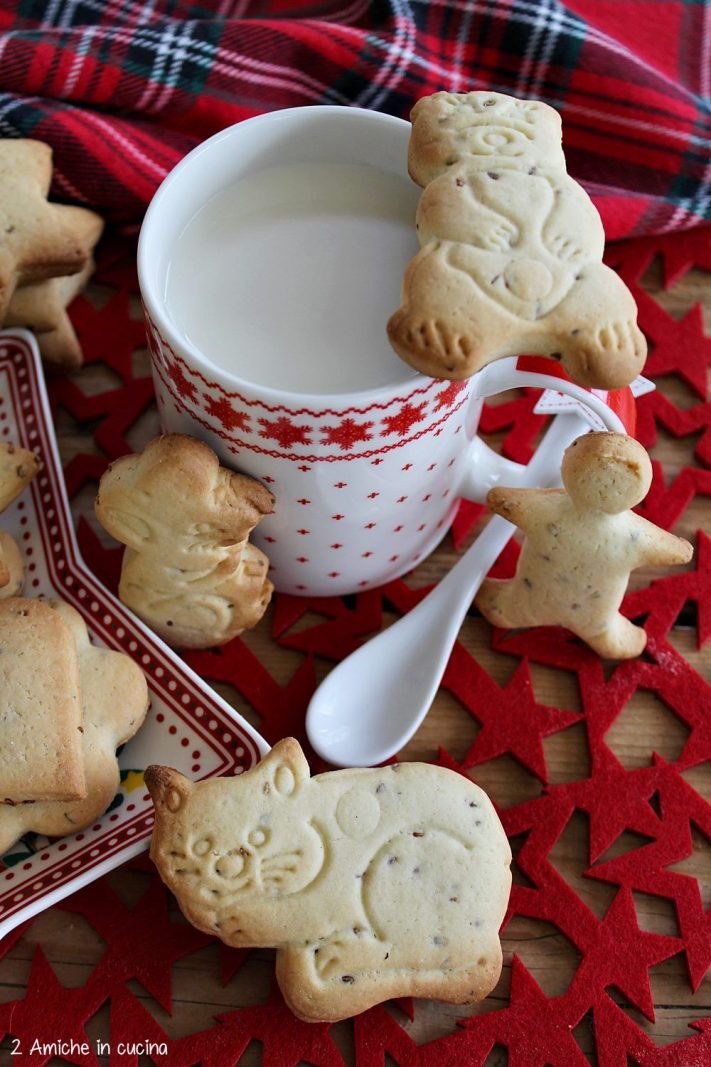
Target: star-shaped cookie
{"x":37,"y":239}
{"x":42,"y":306}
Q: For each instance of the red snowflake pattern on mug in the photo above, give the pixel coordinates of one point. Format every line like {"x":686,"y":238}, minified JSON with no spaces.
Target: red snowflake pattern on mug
{"x":404,"y":420}
{"x":447,"y":397}
{"x":227,"y":415}
{"x":346,"y":434}
{"x":285,"y":432}
{"x":183,"y":385}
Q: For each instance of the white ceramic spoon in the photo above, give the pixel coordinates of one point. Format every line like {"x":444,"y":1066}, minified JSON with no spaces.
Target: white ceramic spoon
{"x":372,"y":703}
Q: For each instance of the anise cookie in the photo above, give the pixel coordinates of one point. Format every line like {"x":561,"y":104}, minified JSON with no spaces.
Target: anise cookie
{"x":41,"y":751}
{"x":113,"y":698}
{"x":370,"y":884}
{"x":511,"y":249}
{"x":12,"y":567}
{"x":18,"y":466}
{"x":37,"y":238}
{"x":188,"y":570}
{"x":42,"y":306}
{"x":581,"y":544}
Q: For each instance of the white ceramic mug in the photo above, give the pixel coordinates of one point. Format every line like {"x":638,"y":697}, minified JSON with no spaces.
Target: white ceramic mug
{"x":366,"y":482}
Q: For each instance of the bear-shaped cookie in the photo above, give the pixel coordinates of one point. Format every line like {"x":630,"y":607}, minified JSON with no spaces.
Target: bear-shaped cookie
{"x":511,"y":256}
{"x":188,"y":570}
{"x":370,"y":884}
{"x":581,"y":544}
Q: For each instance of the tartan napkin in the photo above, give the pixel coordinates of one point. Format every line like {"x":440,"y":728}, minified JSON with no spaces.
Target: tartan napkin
{"x":123,"y":89}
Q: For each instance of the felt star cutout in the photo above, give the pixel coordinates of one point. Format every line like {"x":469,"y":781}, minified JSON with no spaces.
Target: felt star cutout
{"x":655,"y":409}
{"x":142,"y":943}
{"x":335,"y":638}
{"x":231,"y":961}
{"x":50,"y":1012}
{"x":535,"y":1029}
{"x":39,"y":239}
{"x":682,"y":251}
{"x":81,"y":469}
{"x":285,"y":1040}
{"x":631,"y":258}
{"x":379,"y":1039}
{"x":620,"y":1042}
{"x":632,"y":810}
{"x":105,"y":563}
{"x":679,"y":252}
{"x":621,"y":954}
{"x":518,"y":418}
{"x":466,"y":518}
{"x":132,"y":1026}
{"x":108,"y":334}
{"x":118,"y":410}
{"x":282,"y":709}
{"x":663,"y":505}
{"x":678,"y":346}
{"x":646,"y":868}
{"x":664,"y":598}
{"x":511,"y":719}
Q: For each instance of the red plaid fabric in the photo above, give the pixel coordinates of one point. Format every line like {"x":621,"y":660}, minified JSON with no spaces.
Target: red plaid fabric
{"x":122,"y":89}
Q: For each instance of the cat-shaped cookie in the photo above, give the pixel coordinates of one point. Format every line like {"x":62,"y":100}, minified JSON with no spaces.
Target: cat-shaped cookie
{"x":511,"y":257}
{"x":188,"y":570}
{"x":370,"y":884}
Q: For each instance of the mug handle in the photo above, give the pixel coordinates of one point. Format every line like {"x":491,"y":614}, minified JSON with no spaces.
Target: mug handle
{"x":487,"y":468}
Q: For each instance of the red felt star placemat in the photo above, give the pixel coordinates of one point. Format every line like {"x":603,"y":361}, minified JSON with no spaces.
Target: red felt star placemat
{"x":599,"y":771}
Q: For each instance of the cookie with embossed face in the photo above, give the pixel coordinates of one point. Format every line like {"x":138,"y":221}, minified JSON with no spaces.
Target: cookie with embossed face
{"x":370,"y":884}
{"x":581,"y":544}
{"x":511,"y":256}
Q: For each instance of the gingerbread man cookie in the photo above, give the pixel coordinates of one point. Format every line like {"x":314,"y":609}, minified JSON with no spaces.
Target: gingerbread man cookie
{"x":371,"y":884}
{"x":188,"y":569}
{"x":581,"y":544}
{"x":511,"y":257}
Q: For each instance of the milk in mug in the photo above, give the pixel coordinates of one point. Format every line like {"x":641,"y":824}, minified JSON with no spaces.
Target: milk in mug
{"x":287,"y":277}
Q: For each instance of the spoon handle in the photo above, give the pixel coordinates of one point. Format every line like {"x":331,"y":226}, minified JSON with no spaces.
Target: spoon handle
{"x":446,"y":605}
{"x":372,"y":703}
{"x":542,"y":472}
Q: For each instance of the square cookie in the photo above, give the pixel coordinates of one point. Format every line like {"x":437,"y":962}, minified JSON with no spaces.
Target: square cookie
{"x":41,"y":752}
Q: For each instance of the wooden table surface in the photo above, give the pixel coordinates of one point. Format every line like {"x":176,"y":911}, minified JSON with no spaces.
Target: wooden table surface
{"x":73,"y":948}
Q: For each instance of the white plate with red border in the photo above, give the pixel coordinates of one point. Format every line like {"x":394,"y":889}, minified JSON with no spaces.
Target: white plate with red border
{"x":188,"y":725}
